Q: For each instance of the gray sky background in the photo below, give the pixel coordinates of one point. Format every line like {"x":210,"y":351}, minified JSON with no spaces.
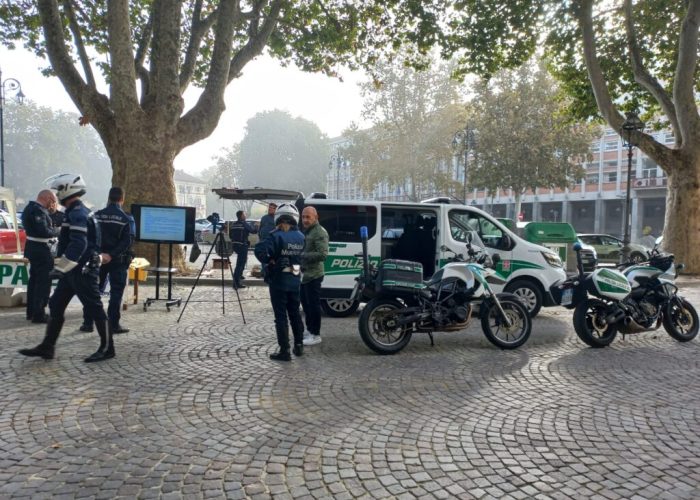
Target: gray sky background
{"x":264,"y":85}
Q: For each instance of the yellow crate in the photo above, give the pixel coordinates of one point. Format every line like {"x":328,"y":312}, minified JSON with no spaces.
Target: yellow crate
{"x":142,"y":274}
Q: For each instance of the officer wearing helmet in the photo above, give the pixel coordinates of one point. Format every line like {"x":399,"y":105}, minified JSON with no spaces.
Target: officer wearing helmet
{"x":280,"y":254}
{"x":77,"y":267}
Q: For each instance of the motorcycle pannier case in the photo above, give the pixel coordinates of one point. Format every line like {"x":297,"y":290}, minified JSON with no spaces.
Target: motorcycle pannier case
{"x":399,"y":276}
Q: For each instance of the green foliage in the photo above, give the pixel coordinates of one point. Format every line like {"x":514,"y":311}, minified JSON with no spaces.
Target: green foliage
{"x":280,"y":151}
{"x":414,"y":116}
{"x":524,"y":140}
{"x":40,"y":142}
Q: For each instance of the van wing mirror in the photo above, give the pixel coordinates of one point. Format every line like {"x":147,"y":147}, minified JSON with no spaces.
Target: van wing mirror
{"x":495,"y":258}
{"x":444,"y":248}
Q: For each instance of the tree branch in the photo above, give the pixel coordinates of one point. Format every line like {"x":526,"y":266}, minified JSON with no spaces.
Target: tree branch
{"x":165,"y":61}
{"x":123,"y":74}
{"x":256,"y":43}
{"x":79,"y":45}
{"x":88,"y":101}
{"x":684,"y":82}
{"x":643,"y":77}
{"x":658,"y":152}
{"x":199,"y":28}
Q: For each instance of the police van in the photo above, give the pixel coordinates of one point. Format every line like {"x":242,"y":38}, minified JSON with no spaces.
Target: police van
{"x":416,"y":232}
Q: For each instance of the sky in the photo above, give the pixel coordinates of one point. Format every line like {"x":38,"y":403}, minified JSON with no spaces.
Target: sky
{"x":264,"y":85}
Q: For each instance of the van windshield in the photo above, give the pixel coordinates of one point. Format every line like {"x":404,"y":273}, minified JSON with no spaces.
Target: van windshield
{"x":463,"y":221}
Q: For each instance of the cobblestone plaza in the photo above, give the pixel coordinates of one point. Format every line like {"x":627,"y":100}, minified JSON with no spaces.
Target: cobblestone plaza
{"x":197,"y":410}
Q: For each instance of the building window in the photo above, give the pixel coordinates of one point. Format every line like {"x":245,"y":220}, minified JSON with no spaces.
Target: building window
{"x":611,"y":176}
{"x":669,"y":139}
{"x":648,"y":168}
{"x":592,"y":179}
{"x":595,"y":147}
{"x":610,"y":145}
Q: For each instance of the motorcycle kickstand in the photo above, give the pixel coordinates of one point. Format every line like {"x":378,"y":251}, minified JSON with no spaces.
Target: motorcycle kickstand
{"x":432,"y":342}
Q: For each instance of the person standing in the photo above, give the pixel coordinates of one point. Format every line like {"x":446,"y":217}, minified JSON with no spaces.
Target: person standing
{"x":117,"y":239}
{"x":267,"y":222}
{"x":312,"y":262}
{"x":77,"y":268}
{"x":280,"y":255}
{"x":40,"y":230}
{"x":239,"y":232}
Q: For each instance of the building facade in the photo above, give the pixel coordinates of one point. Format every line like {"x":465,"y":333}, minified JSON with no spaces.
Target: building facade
{"x":596,"y":204}
{"x":191,"y":192}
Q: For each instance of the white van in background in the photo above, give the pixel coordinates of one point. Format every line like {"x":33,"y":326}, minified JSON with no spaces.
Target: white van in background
{"x":416,"y":231}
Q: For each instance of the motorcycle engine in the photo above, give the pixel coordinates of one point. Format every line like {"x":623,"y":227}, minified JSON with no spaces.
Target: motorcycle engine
{"x":644,"y":312}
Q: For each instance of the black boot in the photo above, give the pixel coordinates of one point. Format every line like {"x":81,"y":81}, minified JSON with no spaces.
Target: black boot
{"x":106,"y":349}
{"x":45,"y":350}
{"x":119,"y":329}
{"x":298,"y":350}
{"x":281,"y":355}
{"x":86,"y":327}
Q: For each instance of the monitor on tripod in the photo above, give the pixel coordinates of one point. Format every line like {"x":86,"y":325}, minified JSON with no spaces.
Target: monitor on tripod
{"x":164,"y":224}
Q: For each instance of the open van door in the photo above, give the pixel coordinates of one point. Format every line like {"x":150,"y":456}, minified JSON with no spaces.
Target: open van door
{"x":258,"y":193}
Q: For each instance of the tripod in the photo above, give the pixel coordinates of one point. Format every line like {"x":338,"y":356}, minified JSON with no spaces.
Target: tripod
{"x":223,"y":249}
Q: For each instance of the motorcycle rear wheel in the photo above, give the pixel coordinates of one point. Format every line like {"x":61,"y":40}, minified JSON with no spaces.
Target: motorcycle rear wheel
{"x":376,"y":328}
{"x":496,"y":330}
{"x":681,"y":320}
{"x":588,"y":324}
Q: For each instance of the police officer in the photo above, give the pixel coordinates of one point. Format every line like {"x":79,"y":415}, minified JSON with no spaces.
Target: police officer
{"x":117,"y":239}
{"x":280,"y":254}
{"x":239,"y":232}
{"x":36,"y":219}
{"x":77,"y":268}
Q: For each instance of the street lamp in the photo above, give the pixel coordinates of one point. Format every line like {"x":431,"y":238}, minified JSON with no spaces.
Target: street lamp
{"x":463,"y":142}
{"x":338,"y":161}
{"x":12,"y":85}
{"x":629,"y":131}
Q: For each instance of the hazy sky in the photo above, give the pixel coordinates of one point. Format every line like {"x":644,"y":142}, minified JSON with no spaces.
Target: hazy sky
{"x":264,"y":85}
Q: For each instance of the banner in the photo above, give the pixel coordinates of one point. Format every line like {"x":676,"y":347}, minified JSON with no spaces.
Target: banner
{"x":13,"y":274}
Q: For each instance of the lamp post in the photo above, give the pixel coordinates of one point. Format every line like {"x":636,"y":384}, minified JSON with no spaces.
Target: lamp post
{"x":463,"y":142}
{"x":338,"y":161}
{"x":629,"y":131}
{"x":12,"y":85}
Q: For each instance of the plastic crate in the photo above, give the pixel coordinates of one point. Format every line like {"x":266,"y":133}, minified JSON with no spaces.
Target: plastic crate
{"x":399,"y":276}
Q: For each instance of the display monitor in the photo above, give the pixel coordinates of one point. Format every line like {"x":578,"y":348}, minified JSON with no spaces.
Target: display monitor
{"x":164,"y":224}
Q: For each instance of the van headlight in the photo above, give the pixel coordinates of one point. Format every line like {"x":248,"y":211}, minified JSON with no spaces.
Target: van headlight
{"x":552,"y":259}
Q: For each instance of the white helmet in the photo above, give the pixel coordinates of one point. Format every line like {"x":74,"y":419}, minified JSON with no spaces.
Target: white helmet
{"x":66,"y":185}
{"x":287,"y":212}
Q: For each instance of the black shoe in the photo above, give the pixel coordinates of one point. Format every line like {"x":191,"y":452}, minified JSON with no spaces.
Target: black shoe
{"x":281,"y":356}
{"x":298,"y":350}
{"x":41,"y":319}
{"x":239,"y":285}
{"x":100,"y":356}
{"x":86,"y":328}
{"x":39,"y":351}
{"x":120,"y":329}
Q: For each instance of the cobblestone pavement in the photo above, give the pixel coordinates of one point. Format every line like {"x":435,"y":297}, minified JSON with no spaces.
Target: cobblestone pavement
{"x":197,"y":410}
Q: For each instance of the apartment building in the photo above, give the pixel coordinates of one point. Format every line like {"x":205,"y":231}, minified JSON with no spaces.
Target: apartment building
{"x":595,"y":204}
{"x":191,"y":192}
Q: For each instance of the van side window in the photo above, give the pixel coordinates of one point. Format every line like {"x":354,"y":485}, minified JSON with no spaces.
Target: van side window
{"x":462,"y":221}
{"x":343,"y":222}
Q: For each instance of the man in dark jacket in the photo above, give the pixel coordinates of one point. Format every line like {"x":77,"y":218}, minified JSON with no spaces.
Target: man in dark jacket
{"x":239,"y":232}
{"x":36,"y":219}
{"x":117,"y":238}
{"x":77,"y":270}
{"x":267,"y":222}
{"x":280,"y":254}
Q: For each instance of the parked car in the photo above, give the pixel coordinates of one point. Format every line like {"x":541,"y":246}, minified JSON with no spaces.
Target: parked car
{"x":609,"y":248}
{"x":8,"y":242}
{"x":201,"y":225}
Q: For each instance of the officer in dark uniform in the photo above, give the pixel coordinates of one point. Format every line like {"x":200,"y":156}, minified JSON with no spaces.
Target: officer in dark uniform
{"x":36,"y":219}
{"x":77,"y":268}
{"x":117,"y":239}
{"x":239,"y":232}
{"x":280,"y":254}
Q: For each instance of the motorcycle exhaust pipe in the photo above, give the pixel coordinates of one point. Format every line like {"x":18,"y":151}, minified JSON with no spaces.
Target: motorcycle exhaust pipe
{"x":615,"y":316}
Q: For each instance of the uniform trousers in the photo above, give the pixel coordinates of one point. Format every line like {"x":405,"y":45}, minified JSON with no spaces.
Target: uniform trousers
{"x":39,"y":286}
{"x":285,"y":304}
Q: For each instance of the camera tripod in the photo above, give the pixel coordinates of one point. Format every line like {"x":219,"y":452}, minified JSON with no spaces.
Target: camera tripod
{"x":224,"y":249}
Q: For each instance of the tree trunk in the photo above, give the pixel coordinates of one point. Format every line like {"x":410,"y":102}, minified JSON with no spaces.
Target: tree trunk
{"x":682,"y":224}
{"x":143,"y":166}
{"x":518,"y":206}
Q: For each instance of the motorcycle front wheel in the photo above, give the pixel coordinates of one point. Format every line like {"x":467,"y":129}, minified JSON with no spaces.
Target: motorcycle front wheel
{"x":590,"y":325}
{"x":681,"y":320}
{"x":378,"y":327}
{"x":498,"y":332}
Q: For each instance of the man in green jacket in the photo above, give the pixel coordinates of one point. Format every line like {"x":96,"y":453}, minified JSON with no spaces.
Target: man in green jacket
{"x":312,"y":262}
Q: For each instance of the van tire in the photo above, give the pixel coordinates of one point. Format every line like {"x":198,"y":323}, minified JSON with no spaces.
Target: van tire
{"x":529,"y":294}
{"x":339,"y":308}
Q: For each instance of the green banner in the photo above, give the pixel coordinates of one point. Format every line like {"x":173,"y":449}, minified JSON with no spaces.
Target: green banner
{"x":13,"y":274}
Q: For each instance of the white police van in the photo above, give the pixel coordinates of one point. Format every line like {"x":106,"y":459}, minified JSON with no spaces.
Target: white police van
{"x":416,"y":232}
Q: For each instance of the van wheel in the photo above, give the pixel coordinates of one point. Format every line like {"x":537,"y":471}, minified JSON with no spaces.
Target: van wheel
{"x":528,"y":293}
{"x":339,"y":308}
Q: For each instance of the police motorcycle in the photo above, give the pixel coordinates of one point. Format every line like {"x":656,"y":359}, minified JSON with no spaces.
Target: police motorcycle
{"x":640,"y":297}
{"x":401,"y":304}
